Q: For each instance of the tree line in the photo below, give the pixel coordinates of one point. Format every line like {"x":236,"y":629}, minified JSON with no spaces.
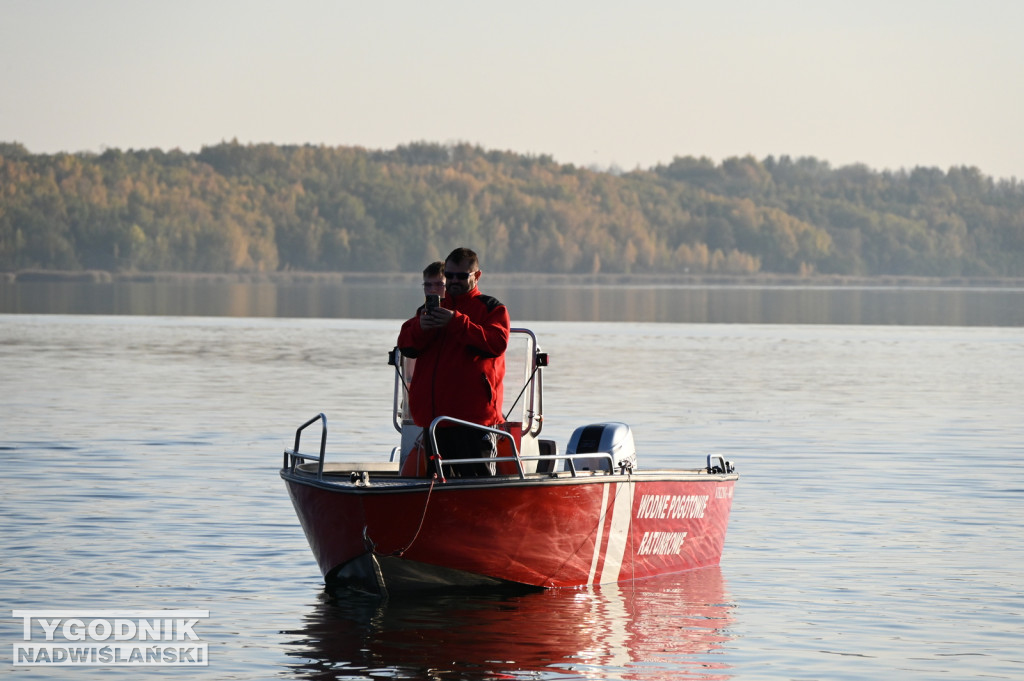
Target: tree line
{"x":268,"y":208}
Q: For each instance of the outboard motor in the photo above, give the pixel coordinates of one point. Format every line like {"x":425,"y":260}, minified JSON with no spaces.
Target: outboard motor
{"x":613,"y":438}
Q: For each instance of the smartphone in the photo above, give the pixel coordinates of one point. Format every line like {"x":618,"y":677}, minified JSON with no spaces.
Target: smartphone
{"x":433,"y":301}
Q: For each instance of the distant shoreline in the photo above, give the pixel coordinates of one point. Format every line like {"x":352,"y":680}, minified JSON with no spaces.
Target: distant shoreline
{"x":513,"y":279}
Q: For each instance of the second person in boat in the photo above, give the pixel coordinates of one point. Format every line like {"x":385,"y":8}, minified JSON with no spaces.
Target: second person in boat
{"x":460,"y":364}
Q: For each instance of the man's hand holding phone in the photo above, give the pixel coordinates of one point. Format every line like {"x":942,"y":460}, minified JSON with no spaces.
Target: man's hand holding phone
{"x":434,"y":316}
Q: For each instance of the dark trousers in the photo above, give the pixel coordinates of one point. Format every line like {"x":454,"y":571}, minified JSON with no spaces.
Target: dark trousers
{"x":464,"y":442}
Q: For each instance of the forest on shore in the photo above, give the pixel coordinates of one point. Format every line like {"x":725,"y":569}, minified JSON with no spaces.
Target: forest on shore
{"x":264,"y":208}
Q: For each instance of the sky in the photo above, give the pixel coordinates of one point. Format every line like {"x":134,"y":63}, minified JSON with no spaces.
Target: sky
{"x":890,"y":84}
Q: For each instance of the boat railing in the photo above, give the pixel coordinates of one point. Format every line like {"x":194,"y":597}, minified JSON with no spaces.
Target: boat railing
{"x":292,"y":456}
{"x":497,"y":432}
{"x":718,"y":465}
{"x":570,"y":459}
{"x":517,"y":458}
{"x":533,"y":420}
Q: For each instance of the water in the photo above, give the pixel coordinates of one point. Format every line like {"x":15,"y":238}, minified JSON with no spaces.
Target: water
{"x":877,"y":529}
{"x":537,"y":299}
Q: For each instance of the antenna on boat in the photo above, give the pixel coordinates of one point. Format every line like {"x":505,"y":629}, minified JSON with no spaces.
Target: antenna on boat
{"x":540,"y":359}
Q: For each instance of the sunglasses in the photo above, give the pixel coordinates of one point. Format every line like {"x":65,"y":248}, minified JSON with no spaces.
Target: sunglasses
{"x":458,"y":276}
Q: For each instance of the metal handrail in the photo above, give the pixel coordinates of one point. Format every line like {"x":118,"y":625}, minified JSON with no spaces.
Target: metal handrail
{"x":395,"y":359}
{"x":292,"y":456}
{"x":431,"y":432}
{"x":516,"y":457}
{"x":539,"y":387}
{"x":722,"y":467}
{"x":571,"y":459}
{"x":294,"y":452}
{"x":530,"y":399}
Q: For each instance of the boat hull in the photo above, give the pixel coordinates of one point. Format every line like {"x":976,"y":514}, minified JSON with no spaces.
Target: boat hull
{"x":396,"y":534}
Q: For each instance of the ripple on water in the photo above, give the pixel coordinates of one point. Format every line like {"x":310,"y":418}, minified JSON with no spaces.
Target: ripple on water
{"x":873,"y":530}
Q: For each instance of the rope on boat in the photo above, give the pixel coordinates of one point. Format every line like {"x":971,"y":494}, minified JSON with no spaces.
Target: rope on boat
{"x":372,"y":545}
{"x":423,"y":516}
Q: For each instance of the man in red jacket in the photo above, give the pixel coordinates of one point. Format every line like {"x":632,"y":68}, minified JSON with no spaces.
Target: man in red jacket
{"x":460,"y":363}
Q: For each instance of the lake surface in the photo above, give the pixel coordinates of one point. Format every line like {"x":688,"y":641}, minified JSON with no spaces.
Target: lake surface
{"x":877,"y":529}
{"x":539,"y":301}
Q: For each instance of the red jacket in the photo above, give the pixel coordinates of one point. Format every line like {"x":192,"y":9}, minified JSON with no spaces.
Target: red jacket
{"x":460,"y":369}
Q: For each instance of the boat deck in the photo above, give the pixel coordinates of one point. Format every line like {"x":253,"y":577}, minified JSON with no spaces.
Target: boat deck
{"x":385,"y":475}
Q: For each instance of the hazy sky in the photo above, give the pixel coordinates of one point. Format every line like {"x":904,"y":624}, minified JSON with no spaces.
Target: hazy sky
{"x":892,"y":84}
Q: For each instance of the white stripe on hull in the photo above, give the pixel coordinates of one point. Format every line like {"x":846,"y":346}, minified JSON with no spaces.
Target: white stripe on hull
{"x":618,"y":532}
{"x":600,"y":530}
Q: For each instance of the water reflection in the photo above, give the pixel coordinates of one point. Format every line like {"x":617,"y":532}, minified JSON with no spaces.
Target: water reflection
{"x":669,"y":627}
{"x":388,"y":300}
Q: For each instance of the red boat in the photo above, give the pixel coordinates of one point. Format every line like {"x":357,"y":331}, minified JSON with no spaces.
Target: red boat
{"x":543,"y":518}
